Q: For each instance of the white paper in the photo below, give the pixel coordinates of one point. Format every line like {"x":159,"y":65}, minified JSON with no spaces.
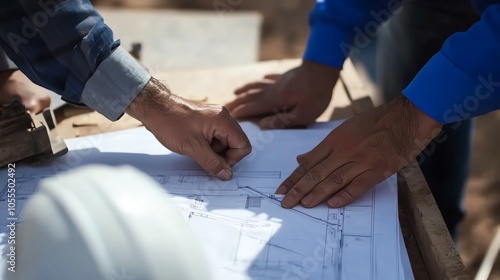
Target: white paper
{"x":247,"y":234}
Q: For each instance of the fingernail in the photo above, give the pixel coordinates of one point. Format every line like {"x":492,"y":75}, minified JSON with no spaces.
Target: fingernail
{"x":333,"y":202}
{"x":306,"y":201}
{"x":225,"y":174}
{"x":288,"y":201}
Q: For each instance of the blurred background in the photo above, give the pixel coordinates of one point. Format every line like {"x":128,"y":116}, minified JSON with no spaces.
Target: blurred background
{"x":189,"y":34}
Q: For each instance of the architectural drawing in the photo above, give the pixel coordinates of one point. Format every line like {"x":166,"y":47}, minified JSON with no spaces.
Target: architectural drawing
{"x":246,"y":232}
{"x":198,"y":179}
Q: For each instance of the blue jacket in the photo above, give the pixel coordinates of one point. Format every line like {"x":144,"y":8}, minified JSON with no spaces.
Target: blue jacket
{"x":461,"y":81}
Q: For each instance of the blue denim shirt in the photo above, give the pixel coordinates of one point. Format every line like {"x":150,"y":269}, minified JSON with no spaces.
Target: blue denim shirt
{"x":461,"y":81}
{"x":65,"y":46}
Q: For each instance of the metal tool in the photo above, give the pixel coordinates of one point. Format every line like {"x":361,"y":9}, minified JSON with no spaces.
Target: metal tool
{"x":26,"y":136}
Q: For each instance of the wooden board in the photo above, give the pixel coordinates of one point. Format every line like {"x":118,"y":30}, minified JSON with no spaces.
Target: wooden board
{"x":427,"y":229}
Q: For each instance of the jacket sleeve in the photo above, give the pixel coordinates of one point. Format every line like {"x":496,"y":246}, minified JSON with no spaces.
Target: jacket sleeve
{"x":339,"y":27}
{"x":463,"y":79}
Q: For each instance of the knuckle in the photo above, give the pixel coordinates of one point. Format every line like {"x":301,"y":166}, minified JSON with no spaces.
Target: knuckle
{"x":211,"y":164}
{"x":336,"y":179}
{"x":300,"y":192}
{"x":219,"y":110}
{"x":358,"y":183}
{"x":300,"y":158}
{"x":304,"y":167}
{"x":313,"y":175}
{"x":322,"y":191}
{"x":45,"y":99}
{"x":316,"y":174}
{"x":346,"y":195}
{"x":245,"y":151}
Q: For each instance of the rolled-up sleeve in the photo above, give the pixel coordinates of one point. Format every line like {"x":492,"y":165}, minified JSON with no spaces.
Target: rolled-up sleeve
{"x":65,"y":46}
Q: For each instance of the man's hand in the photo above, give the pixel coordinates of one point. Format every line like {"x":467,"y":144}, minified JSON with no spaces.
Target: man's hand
{"x":206,"y":133}
{"x":359,"y":154}
{"x":293,"y":99}
{"x":15,"y":85}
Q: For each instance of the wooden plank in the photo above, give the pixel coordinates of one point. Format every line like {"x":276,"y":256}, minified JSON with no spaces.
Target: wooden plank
{"x":435,"y":244}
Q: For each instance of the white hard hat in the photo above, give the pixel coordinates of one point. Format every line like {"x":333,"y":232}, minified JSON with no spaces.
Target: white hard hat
{"x":105,"y":223}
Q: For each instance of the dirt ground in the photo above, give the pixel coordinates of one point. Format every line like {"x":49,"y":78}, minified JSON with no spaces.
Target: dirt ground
{"x":284,"y":35}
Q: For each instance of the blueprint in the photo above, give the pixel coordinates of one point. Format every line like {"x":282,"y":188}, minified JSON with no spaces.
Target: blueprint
{"x":245,"y":231}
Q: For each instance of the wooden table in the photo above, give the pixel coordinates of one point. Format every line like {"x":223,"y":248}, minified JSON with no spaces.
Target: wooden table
{"x":431,"y":250}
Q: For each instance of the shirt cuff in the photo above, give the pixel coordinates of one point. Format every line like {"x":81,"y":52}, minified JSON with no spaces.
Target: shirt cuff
{"x":444,"y":92}
{"x":115,"y":84}
{"x":328,"y":44}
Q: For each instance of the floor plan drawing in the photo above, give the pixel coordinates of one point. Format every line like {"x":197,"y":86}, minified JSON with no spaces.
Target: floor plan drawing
{"x":245,"y":231}
{"x":199,"y":180}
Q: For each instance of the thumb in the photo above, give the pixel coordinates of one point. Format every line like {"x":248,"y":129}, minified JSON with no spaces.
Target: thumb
{"x":212,"y":162}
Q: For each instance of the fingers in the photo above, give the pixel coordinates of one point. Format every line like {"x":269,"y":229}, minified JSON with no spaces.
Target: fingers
{"x":322,"y":176}
{"x":210,"y":161}
{"x":219,"y":146}
{"x":327,"y":168}
{"x":254,"y":108}
{"x":233,"y":156}
{"x":273,"y":77}
{"x":340,"y":187}
{"x":230,"y":139}
{"x":254,"y":85}
{"x":307,"y":162}
{"x":242,"y":99}
{"x":237,"y":143}
{"x":355,"y":189}
{"x":333,"y":183}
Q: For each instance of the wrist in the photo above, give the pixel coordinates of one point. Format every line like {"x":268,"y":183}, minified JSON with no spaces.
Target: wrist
{"x":153,"y":96}
{"x":323,"y":74}
{"x":414,"y":129}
